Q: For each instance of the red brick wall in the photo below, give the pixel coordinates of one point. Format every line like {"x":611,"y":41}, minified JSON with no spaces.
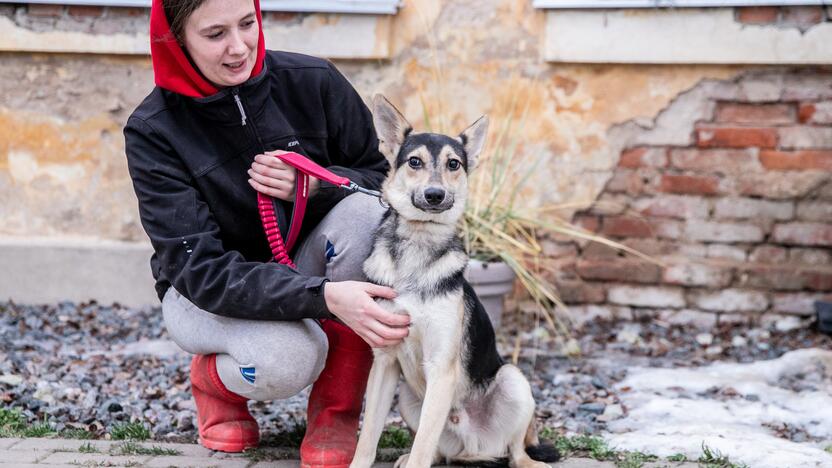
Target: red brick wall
{"x":741,"y":216}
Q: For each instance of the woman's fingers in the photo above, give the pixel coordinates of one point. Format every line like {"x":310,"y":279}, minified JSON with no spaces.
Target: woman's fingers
{"x":283,"y":193}
{"x":280,"y":173}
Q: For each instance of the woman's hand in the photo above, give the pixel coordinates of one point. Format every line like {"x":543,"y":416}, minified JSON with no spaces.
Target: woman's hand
{"x":271,"y":176}
{"x":352,"y":302}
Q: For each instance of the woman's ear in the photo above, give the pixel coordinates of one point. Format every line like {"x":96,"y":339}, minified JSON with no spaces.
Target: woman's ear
{"x":391,"y":128}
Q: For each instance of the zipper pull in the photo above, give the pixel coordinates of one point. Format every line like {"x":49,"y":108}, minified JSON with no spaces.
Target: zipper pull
{"x":239,"y":105}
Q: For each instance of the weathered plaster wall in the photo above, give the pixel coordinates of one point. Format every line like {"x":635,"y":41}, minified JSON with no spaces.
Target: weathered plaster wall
{"x":62,"y":169}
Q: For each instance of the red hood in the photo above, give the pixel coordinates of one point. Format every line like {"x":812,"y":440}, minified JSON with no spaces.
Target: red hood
{"x":171,"y":67}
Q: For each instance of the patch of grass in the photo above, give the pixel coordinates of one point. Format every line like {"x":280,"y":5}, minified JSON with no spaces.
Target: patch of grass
{"x":12,"y":422}
{"x":593,"y":446}
{"x":395,"y":437}
{"x":679,"y":457}
{"x":633,"y":459}
{"x":828,"y":448}
{"x":130,"y":447}
{"x":713,"y":458}
{"x":73,"y":433}
{"x":130,"y":431}
{"x":41,"y":429}
{"x":291,"y":438}
{"x":88,"y":448}
{"x":258,"y":454}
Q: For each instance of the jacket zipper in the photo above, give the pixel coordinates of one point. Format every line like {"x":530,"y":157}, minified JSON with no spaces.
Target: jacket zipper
{"x":236,"y":93}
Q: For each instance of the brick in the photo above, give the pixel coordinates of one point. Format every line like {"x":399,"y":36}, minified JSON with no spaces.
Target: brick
{"x":732,"y":300}
{"x":49,"y":11}
{"x":624,"y":226}
{"x":723,"y":232}
{"x":647,"y":296}
{"x":727,"y":252}
{"x":697,"y":274}
{"x":808,"y":234}
{"x":778,"y":278}
{"x":686,"y":184}
{"x":745,"y":208}
{"x":587,"y":222}
{"x":735,"y":137}
{"x":581,"y":315}
{"x":85,"y":11}
{"x":724,"y":161}
{"x":693,"y":250}
{"x":816,"y":113}
{"x":780,"y":185}
{"x":673,"y":206}
{"x":667,"y":229}
{"x":805,"y":137}
{"x":797,"y":303}
{"x":759,"y":114}
{"x":818,"y":280}
{"x":552,"y":249}
{"x":769,"y":254}
{"x":797,"y":160}
{"x":129,"y":11}
{"x":643,"y":157}
{"x":814,"y":211}
{"x":652,"y":246}
{"x":801,"y":17}
{"x":632,"y":181}
{"x":761,"y":88}
{"x":610,"y":204}
{"x":687,"y":317}
{"x":625,"y":270}
{"x":756,"y":15}
{"x":810,"y":85}
{"x":802,"y":256}
{"x":579,"y":292}
{"x":599,"y":250}
{"x":734,"y":319}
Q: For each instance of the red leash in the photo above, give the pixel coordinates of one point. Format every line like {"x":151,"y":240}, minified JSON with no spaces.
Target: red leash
{"x":305,"y":167}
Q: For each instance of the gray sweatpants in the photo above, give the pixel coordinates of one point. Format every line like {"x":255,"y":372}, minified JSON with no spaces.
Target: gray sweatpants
{"x":265,"y":360}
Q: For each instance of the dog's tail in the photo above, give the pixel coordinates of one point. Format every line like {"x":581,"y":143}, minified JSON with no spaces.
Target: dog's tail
{"x":543,"y":452}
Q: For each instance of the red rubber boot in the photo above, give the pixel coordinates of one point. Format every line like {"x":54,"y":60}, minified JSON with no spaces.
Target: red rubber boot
{"x":223,"y":418}
{"x":335,"y":401}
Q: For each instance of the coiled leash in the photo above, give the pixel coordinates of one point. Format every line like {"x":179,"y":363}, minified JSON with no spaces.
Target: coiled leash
{"x":305,"y":167}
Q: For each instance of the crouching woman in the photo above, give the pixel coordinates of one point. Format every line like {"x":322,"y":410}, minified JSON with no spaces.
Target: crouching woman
{"x":199,"y":148}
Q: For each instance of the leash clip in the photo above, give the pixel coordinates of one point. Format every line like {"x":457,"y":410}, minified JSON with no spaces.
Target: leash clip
{"x":353,"y":187}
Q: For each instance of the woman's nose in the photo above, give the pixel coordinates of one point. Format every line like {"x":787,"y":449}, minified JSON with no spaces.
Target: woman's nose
{"x":236,"y":45}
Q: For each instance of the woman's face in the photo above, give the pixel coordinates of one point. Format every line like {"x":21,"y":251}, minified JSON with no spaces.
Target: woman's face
{"x":221,"y":37}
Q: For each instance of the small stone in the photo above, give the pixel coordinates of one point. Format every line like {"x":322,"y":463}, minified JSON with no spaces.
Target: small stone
{"x":11,"y":380}
{"x":713,"y":350}
{"x":788,"y":324}
{"x":611,"y":412}
{"x":739,"y":342}
{"x":595,"y":408}
{"x":704,"y":339}
{"x":114,"y":408}
{"x":752,"y":397}
{"x":630,"y":333}
{"x":598,"y":383}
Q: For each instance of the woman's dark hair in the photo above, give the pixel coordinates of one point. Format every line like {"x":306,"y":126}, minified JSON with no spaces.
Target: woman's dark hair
{"x":177,"y":13}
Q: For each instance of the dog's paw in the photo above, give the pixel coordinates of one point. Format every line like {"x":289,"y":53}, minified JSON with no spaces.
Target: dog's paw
{"x":402,"y":461}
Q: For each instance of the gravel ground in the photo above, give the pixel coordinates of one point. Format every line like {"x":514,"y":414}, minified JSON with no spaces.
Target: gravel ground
{"x":89,"y":366}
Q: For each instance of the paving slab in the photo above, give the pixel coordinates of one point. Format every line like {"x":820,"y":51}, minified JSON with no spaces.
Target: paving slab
{"x":6,"y":443}
{"x":197,"y":462}
{"x":14,"y":456}
{"x":35,"y":465}
{"x":185,"y":450}
{"x":96,"y":459}
{"x":60,"y":444}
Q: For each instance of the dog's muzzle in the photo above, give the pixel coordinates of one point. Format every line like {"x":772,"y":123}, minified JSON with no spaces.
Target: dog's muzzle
{"x":433,"y":200}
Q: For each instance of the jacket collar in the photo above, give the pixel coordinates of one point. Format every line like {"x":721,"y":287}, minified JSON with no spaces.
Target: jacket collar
{"x":222,"y":106}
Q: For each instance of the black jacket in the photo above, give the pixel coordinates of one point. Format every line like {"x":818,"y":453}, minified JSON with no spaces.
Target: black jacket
{"x":188,"y":160}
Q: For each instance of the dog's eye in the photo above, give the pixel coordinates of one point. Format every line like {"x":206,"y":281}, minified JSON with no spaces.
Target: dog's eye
{"x":414,"y":162}
{"x":453,"y":164}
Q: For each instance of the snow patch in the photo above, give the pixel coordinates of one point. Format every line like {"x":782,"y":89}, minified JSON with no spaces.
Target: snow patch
{"x":731,"y":407}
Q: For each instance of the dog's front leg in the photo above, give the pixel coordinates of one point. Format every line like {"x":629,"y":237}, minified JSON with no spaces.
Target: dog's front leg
{"x":381,"y":387}
{"x":441,"y":383}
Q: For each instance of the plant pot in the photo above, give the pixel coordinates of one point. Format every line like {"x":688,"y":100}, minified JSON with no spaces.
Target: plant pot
{"x":491,"y":281}
{"x":824,"y":313}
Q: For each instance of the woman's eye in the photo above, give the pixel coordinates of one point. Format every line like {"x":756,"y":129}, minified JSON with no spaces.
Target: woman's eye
{"x":415,"y":163}
{"x":214,"y":35}
{"x":453,"y":164}
{"x":247,"y":24}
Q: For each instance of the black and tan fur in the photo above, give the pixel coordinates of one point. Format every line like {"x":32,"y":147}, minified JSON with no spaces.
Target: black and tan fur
{"x":459,"y":397}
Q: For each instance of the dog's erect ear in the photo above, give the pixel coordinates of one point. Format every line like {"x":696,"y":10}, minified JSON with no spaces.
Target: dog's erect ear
{"x":473,"y":139}
{"x":391,"y":128}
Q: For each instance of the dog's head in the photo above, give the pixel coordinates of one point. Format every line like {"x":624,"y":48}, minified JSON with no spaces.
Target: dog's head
{"x":428,"y":178}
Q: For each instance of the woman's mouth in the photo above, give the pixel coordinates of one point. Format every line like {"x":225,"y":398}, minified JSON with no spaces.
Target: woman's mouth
{"x":235,"y":67}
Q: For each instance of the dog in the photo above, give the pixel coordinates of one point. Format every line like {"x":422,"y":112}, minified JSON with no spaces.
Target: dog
{"x":459,"y":397}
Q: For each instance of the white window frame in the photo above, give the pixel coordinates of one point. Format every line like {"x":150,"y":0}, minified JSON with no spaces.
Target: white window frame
{"x":612,"y":4}
{"x":378,"y":7}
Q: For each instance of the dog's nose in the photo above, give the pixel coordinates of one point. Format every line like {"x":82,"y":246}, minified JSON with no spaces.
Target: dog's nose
{"x":434,"y":196}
